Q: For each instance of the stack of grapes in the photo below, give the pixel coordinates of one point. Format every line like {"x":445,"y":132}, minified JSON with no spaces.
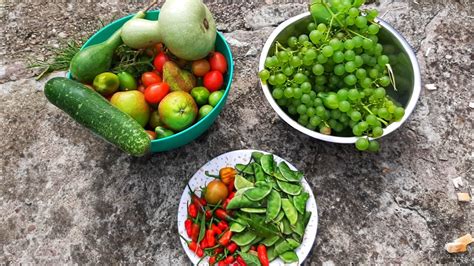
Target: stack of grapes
{"x":334,"y":78}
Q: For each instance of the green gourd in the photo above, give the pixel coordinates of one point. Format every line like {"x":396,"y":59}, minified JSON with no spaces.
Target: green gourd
{"x":186,"y":27}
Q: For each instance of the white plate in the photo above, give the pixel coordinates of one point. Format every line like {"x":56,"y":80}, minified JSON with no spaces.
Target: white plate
{"x":232,"y":158}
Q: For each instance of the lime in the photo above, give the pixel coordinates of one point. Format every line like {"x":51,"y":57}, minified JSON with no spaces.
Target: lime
{"x":204,"y":110}
{"x":215,"y":97}
{"x":200,"y":95}
{"x":240,"y":182}
{"x":106,"y":83}
{"x":127,"y":81}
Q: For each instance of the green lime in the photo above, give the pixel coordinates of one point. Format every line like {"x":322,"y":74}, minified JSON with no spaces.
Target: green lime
{"x":204,"y":110}
{"x":106,"y":83}
{"x":241,"y":182}
{"x":215,"y":97}
{"x":200,"y":95}
{"x":127,"y":81}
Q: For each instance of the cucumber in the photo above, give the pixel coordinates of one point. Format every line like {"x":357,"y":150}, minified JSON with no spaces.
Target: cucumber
{"x":94,"y":112}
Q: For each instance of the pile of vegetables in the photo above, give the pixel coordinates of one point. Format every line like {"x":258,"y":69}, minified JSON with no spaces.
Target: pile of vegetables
{"x":162,"y":74}
{"x":250,"y":214}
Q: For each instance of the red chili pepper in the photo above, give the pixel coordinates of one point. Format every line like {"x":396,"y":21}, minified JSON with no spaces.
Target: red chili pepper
{"x":229,"y":259}
{"x":254,"y":248}
{"x":230,"y":186}
{"x":222,"y":214}
{"x":195,"y":232}
{"x":210,"y":238}
{"x":216,"y":229}
{"x":208,"y":214}
{"x":199,"y":252}
{"x":212,"y":260}
{"x":241,"y":261}
{"x":226,"y":202}
{"x":192,"y":210}
{"x":221,"y":263}
{"x":188,"y":224}
{"x":218,"y":251}
{"x":192,"y":246}
{"x":231,"y":195}
{"x":203,"y":243}
{"x":198,"y":202}
{"x":223,"y":225}
{"x":203,"y":201}
{"x":232,"y":247}
{"x":225,"y":238}
{"x":262,"y":255}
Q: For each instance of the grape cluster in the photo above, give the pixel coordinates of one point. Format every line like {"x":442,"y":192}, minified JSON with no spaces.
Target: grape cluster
{"x":334,"y":78}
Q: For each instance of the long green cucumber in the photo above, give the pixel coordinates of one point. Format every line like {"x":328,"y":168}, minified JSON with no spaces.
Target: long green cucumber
{"x":94,"y":112}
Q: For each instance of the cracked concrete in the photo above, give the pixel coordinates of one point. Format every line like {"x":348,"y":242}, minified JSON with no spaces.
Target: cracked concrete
{"x":67,"y":197}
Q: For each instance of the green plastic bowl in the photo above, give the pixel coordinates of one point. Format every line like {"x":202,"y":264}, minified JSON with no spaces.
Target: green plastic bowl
{"x":196,"y":130}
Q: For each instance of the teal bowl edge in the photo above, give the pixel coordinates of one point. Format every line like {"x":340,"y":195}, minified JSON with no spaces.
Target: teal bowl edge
{"x":191,"y":133}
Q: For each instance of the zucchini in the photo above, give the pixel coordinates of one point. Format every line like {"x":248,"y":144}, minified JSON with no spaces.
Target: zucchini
{"x":94,"y":112}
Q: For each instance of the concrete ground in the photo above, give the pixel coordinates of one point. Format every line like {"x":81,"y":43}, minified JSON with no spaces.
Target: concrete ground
{"x":68,"y":197}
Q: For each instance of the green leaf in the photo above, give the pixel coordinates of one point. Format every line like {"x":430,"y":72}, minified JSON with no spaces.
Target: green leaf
{"x":258,"y":225}
{"x":202,"y":229}
{"x":250,"y":259}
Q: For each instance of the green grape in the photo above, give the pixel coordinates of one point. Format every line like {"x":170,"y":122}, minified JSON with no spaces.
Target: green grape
{"x":280,"y":78}
{"x":295,"y":102}
{"x":344,"y":119}
{"x":355,"y":116}
{"x":296,"y":61}
{"x":315,"y":121}
{"x":356,"y":130}
{"x":378,"y":49}
{"x":358,"y":41}
{"x":342,"y":94}
{"x":269,"y":62}
{"x":288,"y":71}
{"x":320,"y":80}
{"x":349,"y":55}
{"x":336,"y":44}
{"x":339,"y":70}
{"x":338,"y":57}
{"x":363,"y":125}
{"x":307,"y":73}
{"x":344,"y":106}
{"x":367,"y":44}
{"x":325,"y":130}
{"x":361,"y":73}
{"x":327,"y":51}
{"x":331,"y":101}
{"x":350,"y":67}
{"x":349,"y":44}
{"x":311,"y":127}
{"x":312,"y":94}
{"x":318,"y":102}
{"x":373,"y":73}
{"x":292,"y":110}
{"x":383,"y":113}
{"x":282,"y":102}
{"x":321,"y":59}
{"x":311,"y":54}
{"x":301,"y":109}
{"x":318,"y":69}
{"x":311,"y":26}
{"x":264,"y":75}
{"x":297,"y":93}
{"x":377,"y":132}
{"x":353,"y":12}
{"x":305,"y":87}
{"x":283,"y":56}
{"x":307,"y":61}
{"x":372,"y":61}
{"x":288,"y":92}
{"x":320,"y":111}
{"x":338,"y":127}
{"x":362,"y":144}
{"x":374,"y":38}
{"x":382,"y":60}
{"x":292,"y":42}
{"x":315,"y":36}
{"x":310,"y":111}
{"x":379,"y":93}
{"x":305,"y":98}
{"x":366,"y":83}
{"x":373,"y":29}
{"x":368,"y":91}
{"x":299,"y":78}
{"x":350,"y":21}
{"x":335,"y":113}
{"x":303,"y":120}
{"x":372,"y":14}
{"x":362,"y":95}
{"x":374,"y":146}
{"x":361,"y":22}
{"x":353,"y":94}
{"x":333,"y":80}
{"x":272,"y":80}
{"x":399,"y":113}
{"x":358,"y":61}
{"x":322,"y":27}
{"x":333,"y":123}
{"x":303,"y":38}
{"x":350,"y":79}
{"x":277,"y":93}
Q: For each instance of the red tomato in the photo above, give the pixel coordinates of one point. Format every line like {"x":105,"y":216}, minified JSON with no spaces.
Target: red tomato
{"x":151,"y":134}
{"x":213,"y":80}
{"x":149,"y":78}
{"x":160,"y":60}
{"x":218,"y":62}
{"x":200,"y":67}
{"x":155,"y":92}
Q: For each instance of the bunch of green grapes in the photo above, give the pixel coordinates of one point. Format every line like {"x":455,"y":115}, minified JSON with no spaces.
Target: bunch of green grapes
{"x":334,"y":78}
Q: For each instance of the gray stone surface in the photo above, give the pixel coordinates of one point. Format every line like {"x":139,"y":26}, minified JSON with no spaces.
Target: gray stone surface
{"x":67,"y":197}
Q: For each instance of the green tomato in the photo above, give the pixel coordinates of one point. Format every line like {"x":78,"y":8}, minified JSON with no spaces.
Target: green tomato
{"x":215,"y":97}
{"x":200,"y":95}
{"x":106,"y":83}
{"x":204,"y":110}
{"x":162,"y":132}
{"x":127,"y":81}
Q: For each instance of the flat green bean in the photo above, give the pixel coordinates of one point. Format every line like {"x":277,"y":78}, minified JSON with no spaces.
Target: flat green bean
{"x":259,"y":174}
{"x":289,"y":257}
{"x":270,"y":241}
{"x":287,"y":173}
{"x":256,"y":156}
{"x":288,"y":188}
{"x":267,"y":163}
{"x":259,"y":192}
{"x":290,"y":211}
{"x":273,"y":205}
{"x":244,"y":238}
{"x":285,"y":227}
{"x":244,"y":168}
{"x":300,"y":202}
{"x":271,"y":254}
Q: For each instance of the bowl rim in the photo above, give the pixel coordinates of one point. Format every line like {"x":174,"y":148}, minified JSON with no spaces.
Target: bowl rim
{"x":230,"y":72}
{"x":336,"y":139}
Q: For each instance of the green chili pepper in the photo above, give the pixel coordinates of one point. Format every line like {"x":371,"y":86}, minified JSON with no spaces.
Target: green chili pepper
{"x":259,"y":175}
{"x":267,"y":163}
{"x":273,"y":205}
{"x":259,"y":192}
{"x":289,"y":257}
{"x":290,"y":211}
{"x":300,"y":202}
{"x":244,"y":238}
{"x":288,"y":188}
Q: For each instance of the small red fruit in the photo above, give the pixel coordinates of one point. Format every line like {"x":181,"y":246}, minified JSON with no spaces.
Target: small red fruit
{"x":160,"y":60}
{"x":218,"y":62}
{"x":149,"y":78}
{"x":213,"y":80}
{"x":155,"y":92}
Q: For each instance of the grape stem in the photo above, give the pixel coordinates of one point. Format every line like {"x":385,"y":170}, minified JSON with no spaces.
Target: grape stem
{"x":353,"y":32}
{"x":378,"y":118}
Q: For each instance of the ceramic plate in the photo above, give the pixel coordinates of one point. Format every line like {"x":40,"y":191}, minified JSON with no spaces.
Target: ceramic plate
{"x":199,"y":179}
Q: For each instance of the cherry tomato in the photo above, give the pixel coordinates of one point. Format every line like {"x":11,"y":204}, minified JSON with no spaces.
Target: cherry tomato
{"x":149,"y":78}
{"x":200,"y":67}
{"x":216,"y":191}
{"x":160,"y":60}
{"x":151,"y":134}
{"x":141,"y":89}
{"x":213,"y":80}
{"x":218,"y":62}
{"x":155,"y":92}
